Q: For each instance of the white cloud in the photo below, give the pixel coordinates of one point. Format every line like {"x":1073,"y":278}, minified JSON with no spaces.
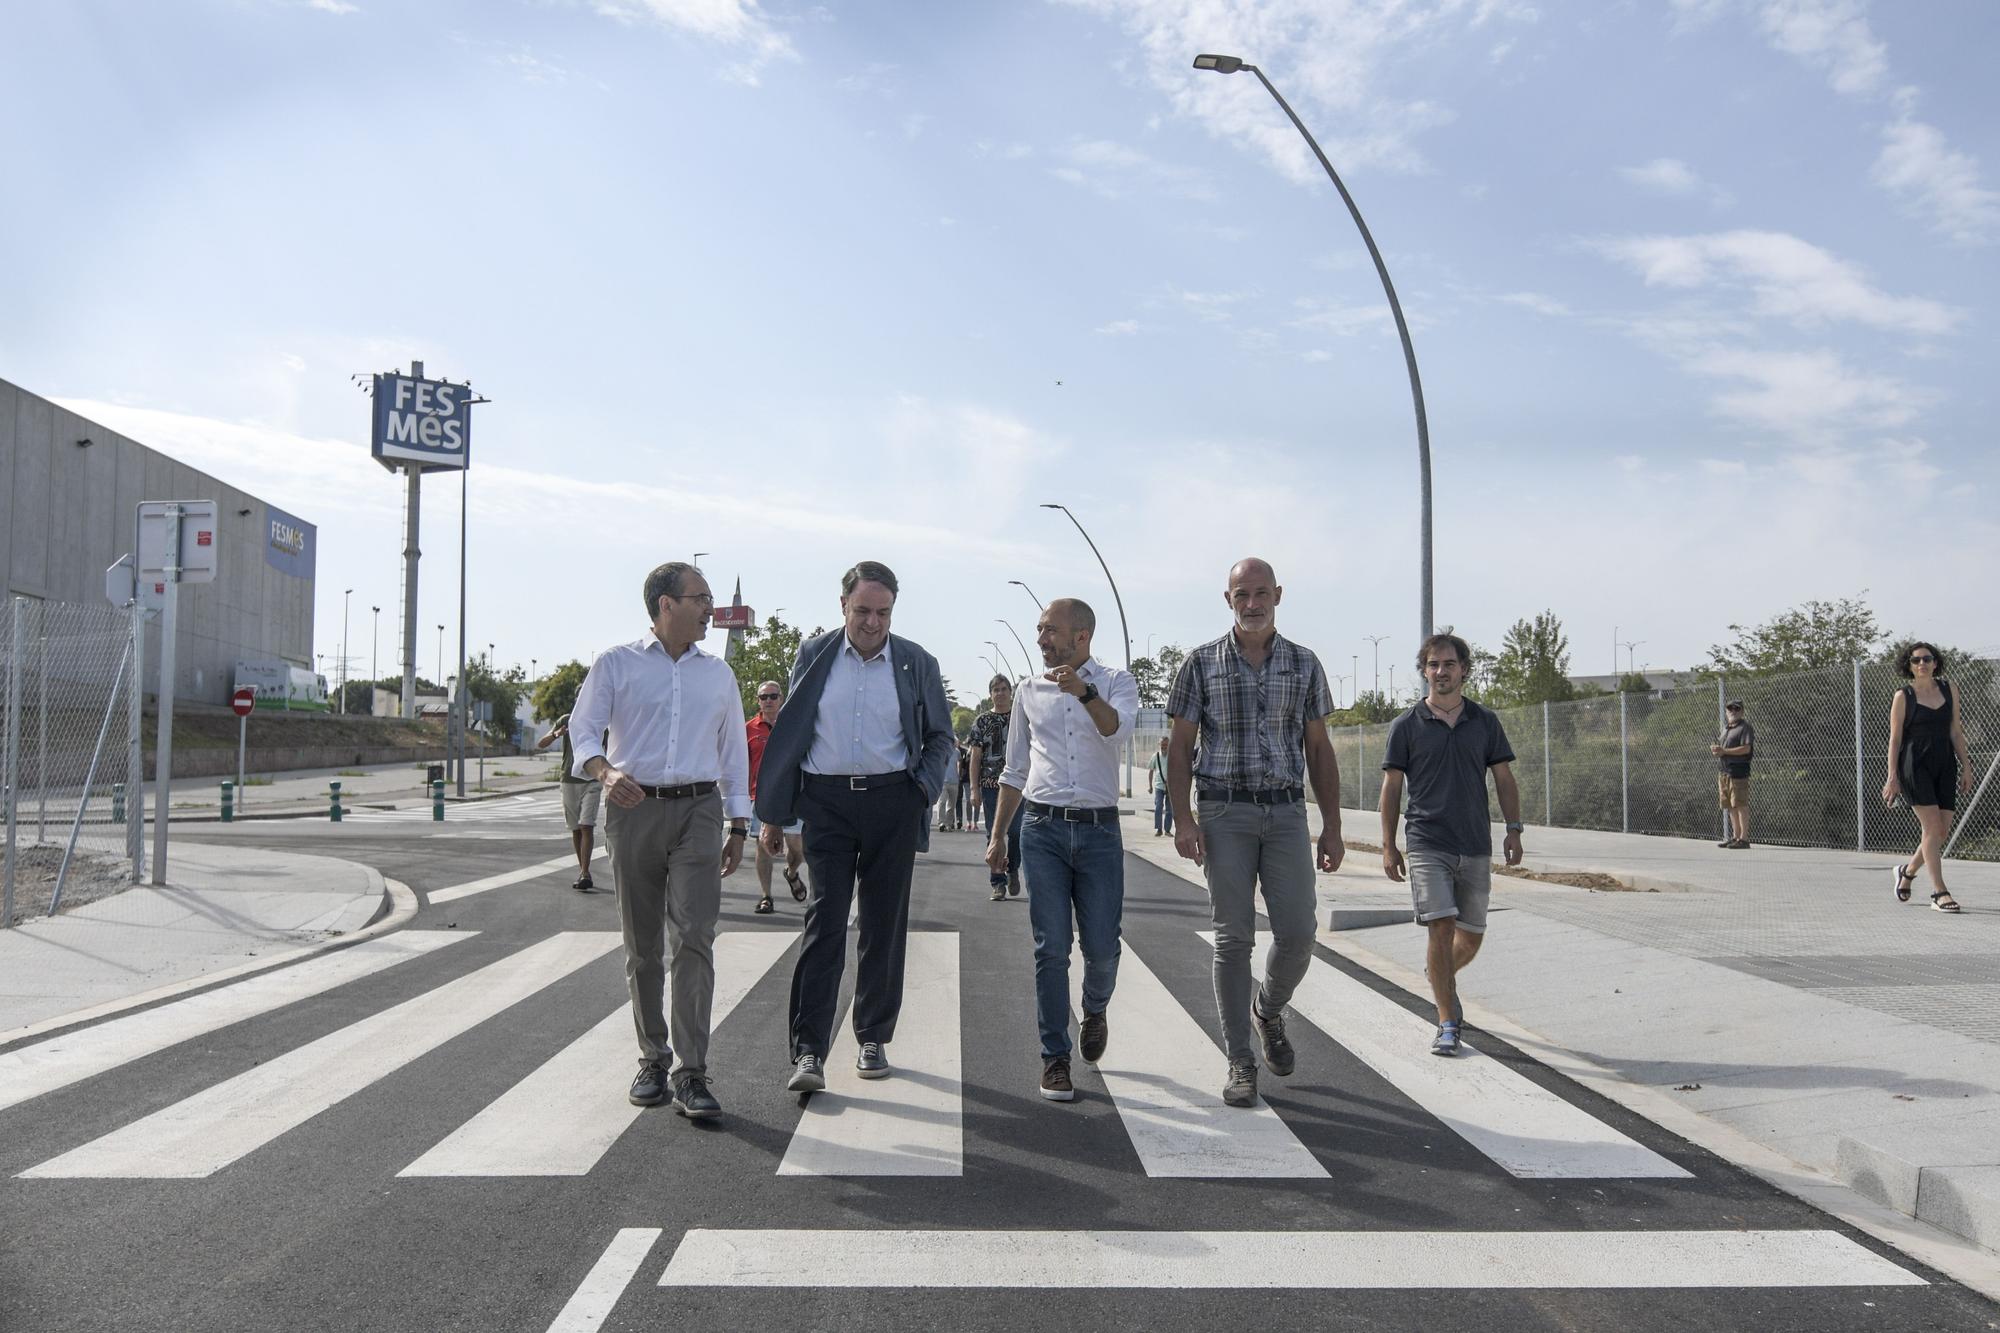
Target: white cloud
{"x":333,"y":6}
{"x":1114,"y":170}
{"x":1214,"y":307}
{"x":1118,"y":327}
{"x":1788,"y":279}
{"x":1936,"y":181}
{"x":1327,"y":56}
{"x":1832,"y":36}
{"x":1535,"y":301}
{"x":1812,"y":396}
{"x":1675,"y":178}
{"x":738,"y":24}
{"x":1343,"y":320}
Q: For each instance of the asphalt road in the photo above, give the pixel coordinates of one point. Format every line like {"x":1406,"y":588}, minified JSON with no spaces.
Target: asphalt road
{"x":278,"y":1171}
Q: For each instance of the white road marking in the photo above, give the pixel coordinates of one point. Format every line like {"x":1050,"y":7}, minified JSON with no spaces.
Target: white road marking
{"x":503,"y":879}
{"x":30,"y":1071}
{"x":606,"y":1281}
{"x":1165,"y":1076}
{"x":562,"y":1119}
{"x":502,"y":808}
{"x":912,"y":1122}
{"x":202,"y":1134}
{"x":1284,"y":1260}
{"x":1528,"y":1130}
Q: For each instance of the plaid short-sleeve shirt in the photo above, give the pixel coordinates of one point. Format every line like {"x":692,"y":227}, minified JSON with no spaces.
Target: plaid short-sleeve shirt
{"x":1253,"y":721}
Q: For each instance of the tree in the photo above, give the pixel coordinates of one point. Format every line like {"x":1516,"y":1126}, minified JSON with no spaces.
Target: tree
{"x":1368,"y":706}
{"x":503,"y":690}
{"x":360,"y":698}
{"x":767,"y":654}
{"x":1533,"y":665}
{"x":1155,"y":675}
{"x":555,"y":693}
{"x":1817,"y":634}
{"x":1634,"y":682}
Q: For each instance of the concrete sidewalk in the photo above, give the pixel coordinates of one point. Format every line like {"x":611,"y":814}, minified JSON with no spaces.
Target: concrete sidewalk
{"x":305,"y":794}
{"x":249,"y":908}
{"x":1780,"y":993}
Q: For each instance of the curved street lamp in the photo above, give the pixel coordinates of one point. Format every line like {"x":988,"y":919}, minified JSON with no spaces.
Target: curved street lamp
{"x":1230,"y":65}
{"x":1003,"y":659}
{"x":1123,"y":627}
{"x":1030,"y":591}
{"x":1025,"y":654}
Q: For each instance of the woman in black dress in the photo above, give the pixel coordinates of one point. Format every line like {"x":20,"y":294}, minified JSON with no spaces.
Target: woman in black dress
{"x":1928,"y":764}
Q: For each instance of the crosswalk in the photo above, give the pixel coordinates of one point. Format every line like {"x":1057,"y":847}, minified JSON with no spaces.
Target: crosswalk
{"x":1162,"y":1073}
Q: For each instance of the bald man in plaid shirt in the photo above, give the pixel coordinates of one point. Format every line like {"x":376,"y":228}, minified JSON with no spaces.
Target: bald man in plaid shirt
{"x":1257,"y":702}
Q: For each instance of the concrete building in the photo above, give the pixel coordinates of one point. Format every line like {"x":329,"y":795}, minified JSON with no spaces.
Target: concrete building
{"x":69,"y":489}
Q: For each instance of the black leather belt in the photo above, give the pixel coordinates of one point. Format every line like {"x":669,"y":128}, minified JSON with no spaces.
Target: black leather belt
{"x":1075,"y":814}
{"x":1269,"y":796}
{"x":857,"y":781}
{"x":681,"y":792}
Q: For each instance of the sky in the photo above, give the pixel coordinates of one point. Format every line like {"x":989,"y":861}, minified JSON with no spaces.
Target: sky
{"x":1697,"y":290}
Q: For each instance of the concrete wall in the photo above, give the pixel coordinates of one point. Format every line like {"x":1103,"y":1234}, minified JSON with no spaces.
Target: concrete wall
{"x":66,"y":513}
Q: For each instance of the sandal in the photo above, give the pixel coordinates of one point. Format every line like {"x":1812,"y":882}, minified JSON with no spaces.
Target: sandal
{"x":1903,"y":881}
{"x":798,"y":885}
{"x":1942,"y":901}
{"x":763,"y":907}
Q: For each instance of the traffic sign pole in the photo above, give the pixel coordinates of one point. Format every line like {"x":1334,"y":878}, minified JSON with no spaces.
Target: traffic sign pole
{"x":163,"y":747}
{"x":242,"y":701}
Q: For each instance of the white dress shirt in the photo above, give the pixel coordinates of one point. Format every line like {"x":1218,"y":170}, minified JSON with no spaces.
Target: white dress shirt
{"x":1055,"y":753}
{"x":671,"y":722}
{"x":859,"y":728}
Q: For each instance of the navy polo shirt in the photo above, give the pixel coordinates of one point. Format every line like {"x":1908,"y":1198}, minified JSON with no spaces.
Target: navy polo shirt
{"x":1444,"y":767}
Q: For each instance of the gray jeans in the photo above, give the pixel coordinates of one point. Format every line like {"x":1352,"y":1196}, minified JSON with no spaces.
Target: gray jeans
{"x":1248,"y":846}
{"x":666,"y":858}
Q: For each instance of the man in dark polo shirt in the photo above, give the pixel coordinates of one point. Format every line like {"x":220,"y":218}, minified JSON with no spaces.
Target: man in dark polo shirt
{"x":1442,"y":748}
{"x":1732,"y":784}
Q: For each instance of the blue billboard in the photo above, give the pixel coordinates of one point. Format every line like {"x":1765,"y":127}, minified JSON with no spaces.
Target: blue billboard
{"x":288,"y":543}
{"x":426,"y":422}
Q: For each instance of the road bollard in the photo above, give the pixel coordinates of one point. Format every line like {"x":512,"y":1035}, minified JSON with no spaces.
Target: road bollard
{"x":334,"y":812}
{"x":228,"y":801}
{"x":437,"y":801}
{"x":117,"y":802}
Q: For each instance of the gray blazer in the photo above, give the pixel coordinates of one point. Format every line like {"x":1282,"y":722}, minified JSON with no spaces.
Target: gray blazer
{"x":926,"y":726}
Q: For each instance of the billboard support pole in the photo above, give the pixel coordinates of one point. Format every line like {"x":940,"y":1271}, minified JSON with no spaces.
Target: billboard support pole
{"x":464,"y":694}
{"x":163,"y":747}
{"x":410,"y":556}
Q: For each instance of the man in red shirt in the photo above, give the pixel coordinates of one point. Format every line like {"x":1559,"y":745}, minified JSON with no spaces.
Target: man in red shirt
{"x":770,"y":697}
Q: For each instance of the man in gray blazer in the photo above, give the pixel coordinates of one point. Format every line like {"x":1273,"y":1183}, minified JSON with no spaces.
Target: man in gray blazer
{"x":859,"y":752}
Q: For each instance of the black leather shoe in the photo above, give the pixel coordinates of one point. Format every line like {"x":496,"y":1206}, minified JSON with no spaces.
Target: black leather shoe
{"x":650,"y":1088}
{"x":870,"y":1061}
{"x":807,"y":1075}
{"x":1091,"y":1034}
{"x":693,"y":1099}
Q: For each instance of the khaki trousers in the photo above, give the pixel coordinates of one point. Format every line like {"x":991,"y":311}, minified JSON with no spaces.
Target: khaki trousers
{"x":666,"y":857}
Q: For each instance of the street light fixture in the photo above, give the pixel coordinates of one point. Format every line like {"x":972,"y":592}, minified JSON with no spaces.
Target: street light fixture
{"x":698,"y":555}
{"x":1230,"y":65}
{"x":440,"y":656}
{"x":1026,"y":656}
{"x":1026,"y":589}
{"x":1123,"y":627}
{"x":1628,"y":645}
{"x":1377,"y":640}
{"x":1003,"y":658}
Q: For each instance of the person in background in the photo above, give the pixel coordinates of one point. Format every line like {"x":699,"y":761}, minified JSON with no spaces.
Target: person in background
{"x":988,"y":747}
{"x":1156,"y":782}
{"x":1732,"y":784}
{"x":581,"y":798}
{"x":756,"y":733}
{"x":1929,"y":766}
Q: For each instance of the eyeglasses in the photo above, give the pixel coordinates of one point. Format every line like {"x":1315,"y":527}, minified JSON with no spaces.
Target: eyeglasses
{"x":708,"y":598}
{"x":1922,"y":657}
{"x":769,"y":698}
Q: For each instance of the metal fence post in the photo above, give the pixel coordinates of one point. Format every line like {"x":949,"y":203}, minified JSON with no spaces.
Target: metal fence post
{"x":42,"y":723}
{"x":1548,"y":782}
{"x":11,"y":768}
{"x":135,"y":756}
{"x":1624,"y":771}
{"x":1860,"y":798}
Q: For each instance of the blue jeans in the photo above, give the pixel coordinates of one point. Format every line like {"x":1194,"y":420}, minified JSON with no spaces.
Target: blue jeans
{"x":1075,"y":871}
{"x":1163,"y":811}
{"x":989,"y":798}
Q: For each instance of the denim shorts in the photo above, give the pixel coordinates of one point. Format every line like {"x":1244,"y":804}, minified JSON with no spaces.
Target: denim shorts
{"x":1444,"y":884}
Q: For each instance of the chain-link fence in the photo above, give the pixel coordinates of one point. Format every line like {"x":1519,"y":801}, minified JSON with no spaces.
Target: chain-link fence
{"x":1635,"y":763}
{"x":69,"y":783}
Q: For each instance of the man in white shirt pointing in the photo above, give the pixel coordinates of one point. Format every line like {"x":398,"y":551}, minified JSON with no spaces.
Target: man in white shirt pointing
{"x":1062,"y":760}
{"x":676,"y":762}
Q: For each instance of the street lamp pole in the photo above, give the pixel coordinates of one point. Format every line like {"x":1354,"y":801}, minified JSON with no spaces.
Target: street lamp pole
{"x":1030,"y":591}
{"x":1377,"y":639}
{"x":345,"y":597}
{"x":1003,"y":659}
{"x":1124,"y":628}
{"x":374,"y":662}
{"x":1026,"y":656}
{"x":1230,"y":65}
{"x":440,"y":656}
{"x":1628,"y":646}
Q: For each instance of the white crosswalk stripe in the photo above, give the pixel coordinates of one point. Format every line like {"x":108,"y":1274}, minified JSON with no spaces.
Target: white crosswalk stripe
{"x":60,"y":1061}
{"x":559,"y":1120}
{"x":503,"y":808}
{"x":911,"y":1123}
{"x":206,"y":1132}
{"x":1165,"y":1075}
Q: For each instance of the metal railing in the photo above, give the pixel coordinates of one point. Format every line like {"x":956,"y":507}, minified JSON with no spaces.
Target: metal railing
{"x":70,"y":794}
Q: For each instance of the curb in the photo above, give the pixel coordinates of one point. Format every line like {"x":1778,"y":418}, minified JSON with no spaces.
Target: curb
{"x":358,"y":804}
{"x":399,"y":905}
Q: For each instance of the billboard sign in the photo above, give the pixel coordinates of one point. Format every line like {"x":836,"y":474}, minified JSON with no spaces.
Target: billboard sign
{"x":426,"y":422}
{"x":734,"y":617}
{"x":199,"y":543}
{"x":288,"y":543}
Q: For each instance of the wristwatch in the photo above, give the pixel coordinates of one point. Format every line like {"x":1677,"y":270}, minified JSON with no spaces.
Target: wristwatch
{"x":739,"y":830}
{"x":1516,"y":826}
{"x":1089,"y":693}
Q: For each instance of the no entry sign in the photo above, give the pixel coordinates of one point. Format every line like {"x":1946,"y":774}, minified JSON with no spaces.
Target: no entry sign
{"x":243,"y":701}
